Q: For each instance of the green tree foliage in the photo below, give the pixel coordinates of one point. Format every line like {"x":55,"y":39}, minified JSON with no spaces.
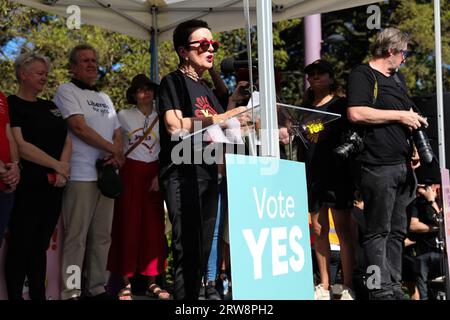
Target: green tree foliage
{"x":120,"y":57}
{"x":346,"y":41}
{"x":417,"y":19}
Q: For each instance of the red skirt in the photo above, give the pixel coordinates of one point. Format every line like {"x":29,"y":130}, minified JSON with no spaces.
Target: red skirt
{"x":138,"y":244}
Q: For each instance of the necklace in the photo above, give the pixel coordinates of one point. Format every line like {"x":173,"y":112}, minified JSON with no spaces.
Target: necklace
{"x":190,"y":73}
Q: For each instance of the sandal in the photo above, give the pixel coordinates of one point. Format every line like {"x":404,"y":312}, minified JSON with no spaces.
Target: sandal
{"x":155,"y":291}
{"x":125,"y":294}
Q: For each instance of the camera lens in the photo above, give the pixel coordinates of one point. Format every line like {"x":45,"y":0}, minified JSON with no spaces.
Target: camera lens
{"x":423,"y":146}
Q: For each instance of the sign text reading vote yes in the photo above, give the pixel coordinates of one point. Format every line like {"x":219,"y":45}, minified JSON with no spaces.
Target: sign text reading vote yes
{"x":269,"y":233}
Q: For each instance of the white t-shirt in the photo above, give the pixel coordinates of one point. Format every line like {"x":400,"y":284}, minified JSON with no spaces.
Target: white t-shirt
{"x":133,"y":125}
{"x":99,"y":114}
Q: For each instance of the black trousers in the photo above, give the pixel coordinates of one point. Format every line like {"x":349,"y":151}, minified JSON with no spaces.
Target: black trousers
{"x":6,"y":203}
{"x":33,"y":220}
{"x":386,"y":191}
{"x":428,"y":265}
{"x":192,"y":204}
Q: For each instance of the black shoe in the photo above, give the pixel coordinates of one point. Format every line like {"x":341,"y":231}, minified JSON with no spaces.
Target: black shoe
{"x":211,"y":292}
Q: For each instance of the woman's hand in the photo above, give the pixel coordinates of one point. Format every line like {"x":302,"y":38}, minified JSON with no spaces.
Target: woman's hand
{"x":63,"y":168}
{"x":283,"y":135}
{"x":238,"y":94}
{"x":415,"y":159}
{"x":11,"y":176}
{"x":154,"y":185}
{"x":60,"y":180}
{"x":428,"y":193}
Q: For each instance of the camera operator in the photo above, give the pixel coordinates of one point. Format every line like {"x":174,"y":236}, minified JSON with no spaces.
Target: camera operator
{"x":378,"y":101}
{"x":424,"y":215}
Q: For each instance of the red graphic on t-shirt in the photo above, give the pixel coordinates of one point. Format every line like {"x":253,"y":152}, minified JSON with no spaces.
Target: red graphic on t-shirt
{"x":204,"y":109}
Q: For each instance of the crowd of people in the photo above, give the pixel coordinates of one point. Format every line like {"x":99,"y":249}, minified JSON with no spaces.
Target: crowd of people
{"x":52,"y":154}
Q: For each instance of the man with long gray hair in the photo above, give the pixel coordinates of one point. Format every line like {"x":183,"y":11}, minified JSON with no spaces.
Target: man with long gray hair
{"x":378,"y":101}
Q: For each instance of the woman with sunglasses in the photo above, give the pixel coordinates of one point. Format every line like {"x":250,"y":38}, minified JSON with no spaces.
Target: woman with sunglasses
{"x":188,"y":182}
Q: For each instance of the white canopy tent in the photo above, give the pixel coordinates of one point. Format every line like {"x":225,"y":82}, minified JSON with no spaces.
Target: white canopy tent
{"x":137,"y":18}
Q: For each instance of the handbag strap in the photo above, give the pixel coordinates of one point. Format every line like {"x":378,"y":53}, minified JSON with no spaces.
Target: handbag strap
{"x":146,"y":133}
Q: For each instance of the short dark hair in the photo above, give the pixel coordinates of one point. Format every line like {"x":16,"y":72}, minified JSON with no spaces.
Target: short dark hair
{"x":184,"y":30}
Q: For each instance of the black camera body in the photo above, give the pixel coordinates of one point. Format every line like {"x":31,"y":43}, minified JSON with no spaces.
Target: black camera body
{"x":352,"y":144}
{"x":245,"y":90}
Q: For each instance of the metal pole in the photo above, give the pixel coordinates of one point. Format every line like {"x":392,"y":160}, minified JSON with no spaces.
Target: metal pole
{"x":439,"y":98}
{"x":440,"y":110}
{"x":269,"y":122}
{"x":154,"y":67}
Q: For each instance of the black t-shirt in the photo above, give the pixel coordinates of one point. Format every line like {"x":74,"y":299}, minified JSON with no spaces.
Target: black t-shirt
{"x":385,"y":144}
{"x":193,"y":99}
{"x":42,"y":125}
{"x":321,"y":164}
{"x":421,"y":209}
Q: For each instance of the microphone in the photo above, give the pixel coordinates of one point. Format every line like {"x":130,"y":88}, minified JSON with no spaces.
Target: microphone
{"x":229,"y":65}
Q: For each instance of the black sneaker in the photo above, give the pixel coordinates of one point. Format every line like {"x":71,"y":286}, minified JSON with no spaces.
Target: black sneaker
{"x":211,"y":292}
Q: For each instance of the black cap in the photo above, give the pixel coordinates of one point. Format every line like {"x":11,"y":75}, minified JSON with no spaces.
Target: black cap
{"x":320,"y":65}
{"x":139,"y":81}
{"x":428,"y":173}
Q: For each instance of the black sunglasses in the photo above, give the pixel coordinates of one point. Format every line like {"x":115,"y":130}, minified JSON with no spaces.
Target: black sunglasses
{"x":405,"y":53}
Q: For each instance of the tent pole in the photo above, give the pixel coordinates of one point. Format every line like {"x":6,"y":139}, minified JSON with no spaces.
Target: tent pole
{"x":439,"y":98}
{"x":313,"y":41}
{"x":154,"y":67}
{"x":440,"y":111}
{"x":269,"y":122}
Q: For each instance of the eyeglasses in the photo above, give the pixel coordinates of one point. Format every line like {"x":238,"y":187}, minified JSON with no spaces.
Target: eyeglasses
{"x":405,"y":53}
{"x":205,"y":43}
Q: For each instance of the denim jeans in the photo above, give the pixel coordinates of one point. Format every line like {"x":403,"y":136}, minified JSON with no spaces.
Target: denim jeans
{"x":211,"y":271}
{"x":386,"y":191}
{"x":428,"y":266}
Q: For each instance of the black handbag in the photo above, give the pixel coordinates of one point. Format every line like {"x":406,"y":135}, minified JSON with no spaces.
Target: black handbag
{"x":108,"y":181}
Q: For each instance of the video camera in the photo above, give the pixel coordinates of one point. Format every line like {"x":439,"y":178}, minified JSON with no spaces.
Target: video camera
{"x":230,"y":65}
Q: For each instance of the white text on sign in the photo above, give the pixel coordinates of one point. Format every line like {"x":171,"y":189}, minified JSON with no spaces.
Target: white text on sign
{"x":282,"y":238}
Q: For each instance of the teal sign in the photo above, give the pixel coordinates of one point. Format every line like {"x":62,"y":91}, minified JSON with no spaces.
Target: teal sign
{"x":269,"y":233}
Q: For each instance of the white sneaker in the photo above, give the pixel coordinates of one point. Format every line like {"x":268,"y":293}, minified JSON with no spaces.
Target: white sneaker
{"x":347,"y":294}
{"x":320,"y":293}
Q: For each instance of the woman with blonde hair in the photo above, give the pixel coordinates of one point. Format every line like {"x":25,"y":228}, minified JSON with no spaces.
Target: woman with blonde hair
{"x":45,"y":150}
